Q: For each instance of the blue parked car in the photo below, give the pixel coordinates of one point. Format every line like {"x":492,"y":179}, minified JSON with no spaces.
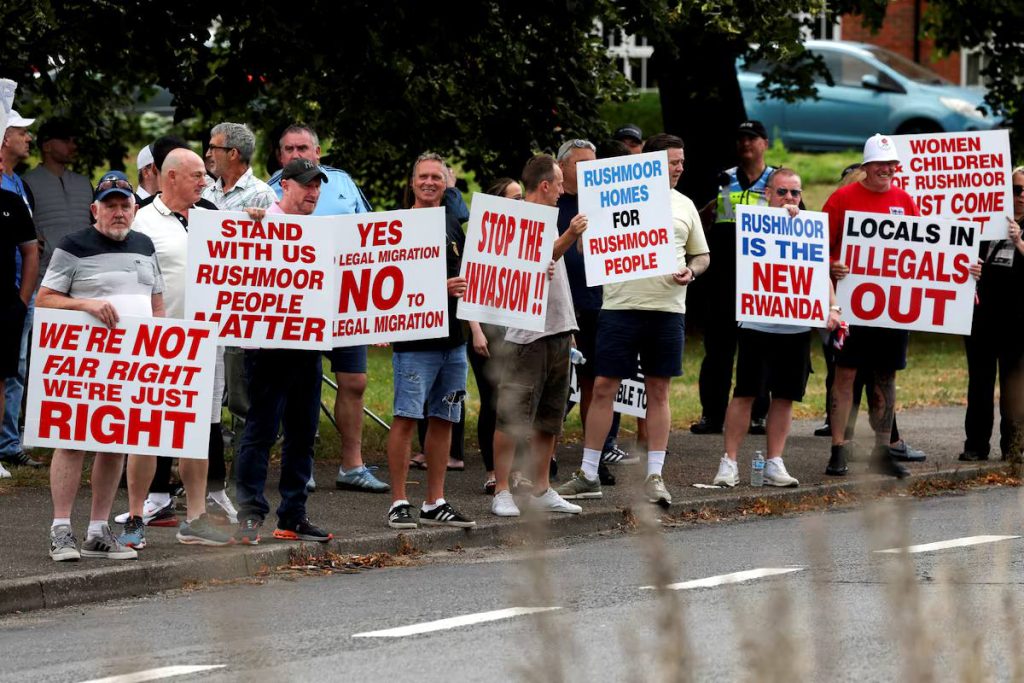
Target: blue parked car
{"x":875,"y":91}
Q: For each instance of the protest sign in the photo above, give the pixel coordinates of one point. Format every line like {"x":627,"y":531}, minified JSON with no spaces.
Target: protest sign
{"x":144,"y":387}
{"x":391,"y":277}
{"x":631,"y":398}
{"x":781,"y":266}
{"x":508,"y":249}
{"x":266,"y":283}
{"x":629,"y":218}
{"x":959,"y":175}
{"x":908,"y":272}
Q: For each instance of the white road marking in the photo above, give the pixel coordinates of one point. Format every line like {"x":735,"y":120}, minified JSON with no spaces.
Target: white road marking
{"x":723,"y":579}
{"x":952,"y":543}
{"x":157,"y":674}
{"x":453,"y":622}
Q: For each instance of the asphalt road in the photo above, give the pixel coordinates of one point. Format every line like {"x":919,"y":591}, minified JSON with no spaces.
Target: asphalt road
{"x":830,"y":606}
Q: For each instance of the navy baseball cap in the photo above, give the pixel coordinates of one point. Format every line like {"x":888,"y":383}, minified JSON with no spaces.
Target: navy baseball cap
{"x":113,"y":181}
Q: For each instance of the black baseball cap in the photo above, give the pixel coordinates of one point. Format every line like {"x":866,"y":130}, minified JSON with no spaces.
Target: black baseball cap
{"x":55,"y":129}
{"x":302,"y":171}
{"x":629,"y":131}
{"x":753,"y":128}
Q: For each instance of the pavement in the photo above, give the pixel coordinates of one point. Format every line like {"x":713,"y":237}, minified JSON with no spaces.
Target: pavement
{"x":30,"y":580}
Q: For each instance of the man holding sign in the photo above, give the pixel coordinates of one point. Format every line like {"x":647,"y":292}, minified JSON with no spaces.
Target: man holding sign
{"x":535,"y":380}
{"x":111,"y":261}
{"x":645,"y":317}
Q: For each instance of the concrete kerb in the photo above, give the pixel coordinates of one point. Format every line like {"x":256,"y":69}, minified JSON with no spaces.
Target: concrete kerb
{"x":131,"y":579}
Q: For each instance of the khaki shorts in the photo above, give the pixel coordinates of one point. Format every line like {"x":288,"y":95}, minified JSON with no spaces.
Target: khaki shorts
{"x":535,"y":386}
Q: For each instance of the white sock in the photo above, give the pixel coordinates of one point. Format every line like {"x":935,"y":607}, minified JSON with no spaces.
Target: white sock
{"x":591,"y":459}
{"x":655,"y":462}
{"x":726,"y":458}
{"x":57,"y":521}
{"x":219,"y":497}
{"x":427,"y":507}
{"x":95,"y":528}
{"x":777,"y":459}
{"x":397,"y":503}
{"x":160,"y":499}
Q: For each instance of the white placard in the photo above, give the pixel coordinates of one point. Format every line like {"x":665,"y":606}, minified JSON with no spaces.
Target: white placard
{"x":781,"y":266}
{"x":631,"y":398}
{"x":629,"y":218}
{"x":144,"y":387}
{"x":508,"y":249}
{"x":959,"y":175}
{"x":908,"y":272}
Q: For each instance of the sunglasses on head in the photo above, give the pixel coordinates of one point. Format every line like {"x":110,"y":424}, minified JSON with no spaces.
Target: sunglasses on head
{"x":112,"y":183}
{"x":1018,"y":190}
{"x":782,"y":192}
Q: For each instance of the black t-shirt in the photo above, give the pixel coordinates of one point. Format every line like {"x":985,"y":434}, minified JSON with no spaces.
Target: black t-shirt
{"x":16,"y":228}
{"x":455,"y":243}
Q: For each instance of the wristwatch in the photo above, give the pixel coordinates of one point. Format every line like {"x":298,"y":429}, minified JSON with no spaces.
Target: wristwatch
{"x":837,"y":309}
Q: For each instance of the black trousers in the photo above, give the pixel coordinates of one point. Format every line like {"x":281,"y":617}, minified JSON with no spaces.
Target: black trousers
{"x":990,"y":350}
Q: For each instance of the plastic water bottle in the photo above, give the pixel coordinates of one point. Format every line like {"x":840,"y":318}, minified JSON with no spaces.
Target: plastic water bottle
{"x":757,"y":469}
{"x":576,"y":356}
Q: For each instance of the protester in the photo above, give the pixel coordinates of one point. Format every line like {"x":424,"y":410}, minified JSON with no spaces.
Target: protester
{"x":742,"y":184}
{"x":106,"y":260}
{"x":772,"y":359}
{"x":230,"y":151}
{"x":631,"y":136}
{"x":644,"y":317}
{"x":284,"y":394}
{"x":18,"y":237}
{"x":876,"y":350}
{"x":149,"y":177}
{"x":535,"y":380}
{"x":348,"y":363}
{"x":431,"y":374}
{"x":992,"y":344}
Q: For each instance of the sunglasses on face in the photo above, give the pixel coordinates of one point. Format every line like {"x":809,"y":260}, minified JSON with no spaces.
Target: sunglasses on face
{"x":108,"y":184}
{"x":1018,"y":190}
{"x":782,"y":192}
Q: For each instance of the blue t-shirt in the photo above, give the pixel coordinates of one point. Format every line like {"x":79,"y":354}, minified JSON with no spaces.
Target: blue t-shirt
{"x":338,"y":196}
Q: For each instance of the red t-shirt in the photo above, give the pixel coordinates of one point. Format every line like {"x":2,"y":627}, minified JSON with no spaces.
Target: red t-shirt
{"x":856,"y":197}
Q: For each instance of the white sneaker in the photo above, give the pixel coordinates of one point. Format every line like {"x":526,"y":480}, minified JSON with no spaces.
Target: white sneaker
{"x":149,"y":511}
{"x":4,"y":474}
{"x":728,"y":473}
{"x":552,"y":502}
{"x":775,"y":474}
{"x":504,"y":505}
{"x":221,"y":500}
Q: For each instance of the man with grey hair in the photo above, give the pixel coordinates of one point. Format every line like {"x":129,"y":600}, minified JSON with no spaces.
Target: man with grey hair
{"x":230,"y":153}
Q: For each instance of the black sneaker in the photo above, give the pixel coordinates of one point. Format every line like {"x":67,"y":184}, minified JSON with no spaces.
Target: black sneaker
{"x":758,"y":427}
{"x":705,"y":426}
{"x":972,"y":456}
{"x":823,"y":430}
{"x":303,"y":530}
{"x":445,"y":515}
{"x":837,"y":463}
{"x":20,"y":459}
{"x":248,"y":531}
{"x":400,"y":517}
{"x":605,"y":476}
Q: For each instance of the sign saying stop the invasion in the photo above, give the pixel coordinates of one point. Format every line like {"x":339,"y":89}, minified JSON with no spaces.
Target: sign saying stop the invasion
{"x":629,"y":218}
{"x":390,"y":269}
{"x":781,"y":266}
{"x":316,"y":282}
{"x":959,"y":175}
{"x":143,"y":387}
{"x":508,"y":249}
{"x":908,"y":272}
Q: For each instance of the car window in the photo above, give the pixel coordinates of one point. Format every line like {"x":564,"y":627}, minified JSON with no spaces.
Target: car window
{"x":847,"y":69}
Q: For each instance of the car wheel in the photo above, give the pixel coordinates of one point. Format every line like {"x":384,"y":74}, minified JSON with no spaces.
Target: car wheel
{"x":918,"y":126}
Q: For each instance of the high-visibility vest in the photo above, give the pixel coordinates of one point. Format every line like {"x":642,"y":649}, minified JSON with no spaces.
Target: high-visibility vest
{"x":731,"y":194}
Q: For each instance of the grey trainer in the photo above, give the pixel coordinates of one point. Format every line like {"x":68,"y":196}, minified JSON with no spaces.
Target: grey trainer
{"x":63,"y":546}
{"x":654,"y":489}
{"x":580,"y":487}
{"x":105,"y":545}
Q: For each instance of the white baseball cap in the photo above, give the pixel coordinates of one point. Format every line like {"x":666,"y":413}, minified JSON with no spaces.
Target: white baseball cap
{"x":145,"y":157}
{"x":16,"y":120}
{"x":880,"y":148}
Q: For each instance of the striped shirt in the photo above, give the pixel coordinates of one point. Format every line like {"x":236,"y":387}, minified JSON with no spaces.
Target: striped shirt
{"x":249,"y":191}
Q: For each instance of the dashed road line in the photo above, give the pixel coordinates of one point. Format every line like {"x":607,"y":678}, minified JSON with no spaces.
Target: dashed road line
{"x":952,"y":543}
{"x":724,"y":579}
{"x":453,"y":622}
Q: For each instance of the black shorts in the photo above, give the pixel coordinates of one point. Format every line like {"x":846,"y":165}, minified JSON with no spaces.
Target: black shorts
{"x":586,"y":341}
{"x":347,"y":359}
{"x":874,"y":348}
{"x":772,"y":363}
{"x":12,"y":316}
{"x":656,"y":336}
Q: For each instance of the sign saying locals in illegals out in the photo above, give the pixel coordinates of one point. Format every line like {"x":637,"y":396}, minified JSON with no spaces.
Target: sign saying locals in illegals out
{"x":629,"y":218}
{"x":143,"y":387}
{"x":908,"y":272}
{"x":959,"y":175}
{"x":265,"y":283}
{"x":508,"y":249}
{"x":316,"y":282}
{"x":631,"y":399}
{"x":781,"y":266}
{"x":391,"y":277}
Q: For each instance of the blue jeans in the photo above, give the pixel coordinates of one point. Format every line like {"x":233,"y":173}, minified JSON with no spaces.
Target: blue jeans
{"x":431,"y":381}
{"x":284,"y":388}
{"x":14,"y":389}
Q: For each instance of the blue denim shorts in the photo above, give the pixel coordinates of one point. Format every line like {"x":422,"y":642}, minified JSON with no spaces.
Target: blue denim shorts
{"x":436,"y":379}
